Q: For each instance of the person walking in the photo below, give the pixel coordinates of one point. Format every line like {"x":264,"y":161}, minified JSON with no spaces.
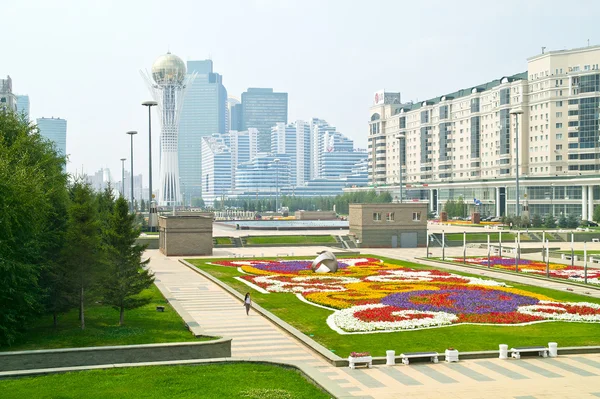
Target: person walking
{"x":247,"y":303}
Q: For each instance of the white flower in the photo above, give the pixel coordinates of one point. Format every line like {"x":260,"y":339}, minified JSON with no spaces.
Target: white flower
{"x":558,"y":311}
{"x":345,"y":320}
{"x":305,"y":283}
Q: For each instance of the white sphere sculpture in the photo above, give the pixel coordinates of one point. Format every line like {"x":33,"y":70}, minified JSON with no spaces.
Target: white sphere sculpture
{"x":168,"y":69}
{"x":325,"y":263}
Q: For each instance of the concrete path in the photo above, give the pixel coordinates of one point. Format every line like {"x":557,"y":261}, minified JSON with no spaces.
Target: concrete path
{"x":254,"y":337}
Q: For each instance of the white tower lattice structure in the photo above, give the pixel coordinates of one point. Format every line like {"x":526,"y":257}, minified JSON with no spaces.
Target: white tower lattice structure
{"x":167,"y":85}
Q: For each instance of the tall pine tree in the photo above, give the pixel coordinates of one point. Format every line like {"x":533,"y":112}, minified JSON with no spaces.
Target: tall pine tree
{"x":83,"y":255}
{"x":125,"y":278}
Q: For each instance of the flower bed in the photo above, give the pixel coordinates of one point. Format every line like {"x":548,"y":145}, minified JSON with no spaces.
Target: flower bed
{"x":366,"y":295}
{"x":557,"y":270}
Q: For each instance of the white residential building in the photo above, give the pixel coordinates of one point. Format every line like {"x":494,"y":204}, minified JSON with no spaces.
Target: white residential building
{"x":464,"y":144}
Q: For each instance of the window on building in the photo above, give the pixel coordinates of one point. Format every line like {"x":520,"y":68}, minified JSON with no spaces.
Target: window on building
{"x":559,"y":103}
{"x":559,"y":114}
{"x":559,"y":136}
{"x":389,"y":217}
{"x":559,"y":146}
{"x":416,"y":217}
{"x":377,"y":216}
{"x":559,"y":125}
{"x":559,"y":157}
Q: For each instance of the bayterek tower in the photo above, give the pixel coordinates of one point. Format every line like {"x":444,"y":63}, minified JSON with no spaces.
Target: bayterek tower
{"x":167,"y":85}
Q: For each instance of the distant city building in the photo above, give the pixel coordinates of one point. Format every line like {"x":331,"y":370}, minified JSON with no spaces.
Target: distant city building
{"x":101,"y":179}
{"x":294,"y":141}
{"x":23,"y":105}
{"x":7,"y":99}
{"x":243,"y":147}
{"x":262,"y":109}
{"x":168,"y":85}
{"x":319,"y":128}
{"x":232,"y":121}
{"x":204,"y":113}
{"x":216,"y":166}
{"x":55,"y":130}
{"x":261,"y":176}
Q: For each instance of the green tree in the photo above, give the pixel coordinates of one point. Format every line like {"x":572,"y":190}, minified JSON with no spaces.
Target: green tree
{"x":573,"y":221}
{"x":596,"y":216}
{"x":143,"y":206}
{"x":549,"y":222}
{"x":32,"y":195}
{"x":125,"y":278}
{"x":83,"y":250}
{"x":562,"y":221}
{"x":537,"y":221}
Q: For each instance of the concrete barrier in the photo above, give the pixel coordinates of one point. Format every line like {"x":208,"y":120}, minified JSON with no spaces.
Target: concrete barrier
{"x":72,"y":357}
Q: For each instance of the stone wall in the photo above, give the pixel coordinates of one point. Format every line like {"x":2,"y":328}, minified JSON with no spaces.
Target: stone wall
{"x":376,"y":225}
{"x":315,"y":215}
{"x":72,"y":357}
{"x":186,"y":235}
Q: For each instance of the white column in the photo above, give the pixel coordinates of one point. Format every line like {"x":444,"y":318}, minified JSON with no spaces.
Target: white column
{"x":590,"y":202}
{"x":431,"y":199}
{"x":584,"y":207}
{"x":497,"y":202}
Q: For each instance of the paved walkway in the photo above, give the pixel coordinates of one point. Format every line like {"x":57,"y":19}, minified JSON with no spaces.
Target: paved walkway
{"x":254,"y":337}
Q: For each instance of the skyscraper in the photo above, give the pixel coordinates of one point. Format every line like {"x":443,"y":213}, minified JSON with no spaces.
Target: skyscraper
{"x":204,"y":113}
{"x":216,"y":165}
{"x":262,"y":109}
{"x":168,"y":85}
{"x":55,"y":130}
{"x":23,"y":105}
{"x":230,"y":123}
{"x":7,"y":99}
{"x":293,"y":140}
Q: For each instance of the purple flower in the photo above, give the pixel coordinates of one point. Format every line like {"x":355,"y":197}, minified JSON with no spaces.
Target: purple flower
{"x":289,"y":266}
{"x":459,"y":301}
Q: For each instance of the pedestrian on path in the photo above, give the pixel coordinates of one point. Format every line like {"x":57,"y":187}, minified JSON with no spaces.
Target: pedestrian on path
{"x":247,"y":303}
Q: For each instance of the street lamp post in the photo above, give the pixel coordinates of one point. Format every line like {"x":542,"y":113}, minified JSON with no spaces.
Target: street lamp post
{"x":150,"y":104}
{"x":516,"y":113}
{"x":276,"y":161}
{"x":123,"y":176}
{"x":131,"y":134}
{"x":400,"y":137}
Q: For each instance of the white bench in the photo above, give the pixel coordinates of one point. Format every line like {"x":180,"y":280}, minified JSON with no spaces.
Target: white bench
{"x":595,"y":239}
{"x":433,"y":356}
{"x":541,"y":350}
{"x":366,"y":360}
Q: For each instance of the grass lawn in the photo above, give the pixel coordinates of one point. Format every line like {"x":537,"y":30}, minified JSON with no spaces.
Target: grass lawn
{"x":152,"y":233}
{"x":308,"y":239}
{"x":142,"y":326}
{"x":223,"y":240}
{"x":233,"y":380}
{"x":311,"y":320}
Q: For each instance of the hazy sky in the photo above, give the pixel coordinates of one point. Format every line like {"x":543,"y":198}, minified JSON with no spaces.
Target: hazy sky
{"x":80,"y":60}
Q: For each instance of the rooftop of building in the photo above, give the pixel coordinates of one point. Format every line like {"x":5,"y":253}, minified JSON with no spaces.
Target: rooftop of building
{"x":564,"y":51}
{"x":461,"y":93}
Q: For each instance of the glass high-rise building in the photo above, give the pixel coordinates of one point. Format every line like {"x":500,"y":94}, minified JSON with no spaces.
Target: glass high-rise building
{"x":262,"y":109}
{"x":204,"y":113}
{"x":23,"y":105}
{"x":55,"y":130}
{"x":7,"y":99}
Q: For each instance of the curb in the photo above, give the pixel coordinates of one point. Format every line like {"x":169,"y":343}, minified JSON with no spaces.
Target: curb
{"x":321,"y":350}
